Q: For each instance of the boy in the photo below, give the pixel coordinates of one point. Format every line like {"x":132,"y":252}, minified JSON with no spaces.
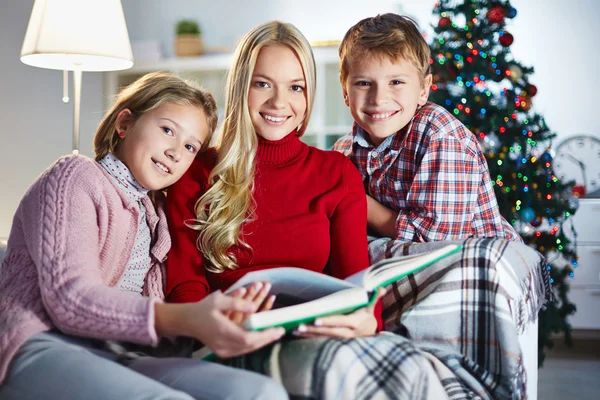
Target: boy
{"x":425,"y":175}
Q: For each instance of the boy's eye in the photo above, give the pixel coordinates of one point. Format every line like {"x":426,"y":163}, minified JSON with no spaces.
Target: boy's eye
{"x":191,"y":148}
{"x":297,"y":88}
{"x":261,"y":84}
{"x":168,"y":131}
{"x":363,"y":83}
{"x":396,"y":82}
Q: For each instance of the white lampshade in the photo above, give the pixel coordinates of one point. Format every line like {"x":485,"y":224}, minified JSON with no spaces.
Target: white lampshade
{"x":85,"y":35}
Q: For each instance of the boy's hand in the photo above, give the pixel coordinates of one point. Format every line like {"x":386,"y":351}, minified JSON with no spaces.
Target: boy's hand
{"x":360,"y":323}
{"x":258,"y":294}
{"x":381,"y":219}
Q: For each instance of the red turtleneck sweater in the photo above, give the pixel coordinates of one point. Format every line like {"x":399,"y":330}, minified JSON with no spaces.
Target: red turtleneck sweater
{"x":310,"y":213}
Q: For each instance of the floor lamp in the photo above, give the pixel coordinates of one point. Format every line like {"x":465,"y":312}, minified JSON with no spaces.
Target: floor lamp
{"x":77,"y":35}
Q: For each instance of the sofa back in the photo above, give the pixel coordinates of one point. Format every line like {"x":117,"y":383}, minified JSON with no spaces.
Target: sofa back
{"x":2,"y":251}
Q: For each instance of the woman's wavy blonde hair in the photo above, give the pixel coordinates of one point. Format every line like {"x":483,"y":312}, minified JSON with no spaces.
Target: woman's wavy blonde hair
{"x":228,"y":203}
{"x":147,"y":93}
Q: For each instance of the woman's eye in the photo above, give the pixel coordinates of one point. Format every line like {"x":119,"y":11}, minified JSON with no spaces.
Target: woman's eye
{"x":190,"y":148}
{"x":168,"y":131}
{"x":297,"y":88}
{"x":261,"y":84}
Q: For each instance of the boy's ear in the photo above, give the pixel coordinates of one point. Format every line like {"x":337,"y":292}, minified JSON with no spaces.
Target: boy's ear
{"x":425,"y":90}
{"x":124,"y":121}
{"x":345,"y":92}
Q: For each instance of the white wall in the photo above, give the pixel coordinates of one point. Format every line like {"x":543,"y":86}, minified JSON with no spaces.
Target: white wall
{"x":35,"y":125}
{"x":556,"y":38}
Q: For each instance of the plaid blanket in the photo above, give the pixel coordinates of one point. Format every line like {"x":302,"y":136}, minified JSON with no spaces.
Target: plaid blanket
{"x":450,"y":331}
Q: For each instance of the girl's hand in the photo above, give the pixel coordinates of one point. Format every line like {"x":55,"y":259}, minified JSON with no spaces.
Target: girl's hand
{"x":258,"y":294}
{"x":206,"y":321}
{"x":360,"y":323}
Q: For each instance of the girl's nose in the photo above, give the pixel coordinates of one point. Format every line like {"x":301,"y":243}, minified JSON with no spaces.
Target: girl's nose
{"x":173,"y":154}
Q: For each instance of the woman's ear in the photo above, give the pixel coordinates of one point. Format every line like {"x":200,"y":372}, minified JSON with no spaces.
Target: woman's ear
{"x":124,"y":121}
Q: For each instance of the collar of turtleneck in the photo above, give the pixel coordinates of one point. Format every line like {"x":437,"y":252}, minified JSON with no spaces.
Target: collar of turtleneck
{"x":278,"y":152}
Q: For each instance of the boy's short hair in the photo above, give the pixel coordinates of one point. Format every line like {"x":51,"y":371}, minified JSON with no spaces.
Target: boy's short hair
{"x":388,"y":35}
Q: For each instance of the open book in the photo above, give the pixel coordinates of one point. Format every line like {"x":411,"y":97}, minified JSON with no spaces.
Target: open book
{"x":303,"y":295}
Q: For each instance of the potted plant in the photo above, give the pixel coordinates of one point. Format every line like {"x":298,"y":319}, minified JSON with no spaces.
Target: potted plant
{"x":188,"y":39}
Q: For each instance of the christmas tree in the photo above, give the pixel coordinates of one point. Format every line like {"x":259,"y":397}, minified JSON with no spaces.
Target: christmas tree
{"x":476,"y":78}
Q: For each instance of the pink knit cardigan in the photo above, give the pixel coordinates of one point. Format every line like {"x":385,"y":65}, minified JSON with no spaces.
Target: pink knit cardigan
{"x":70,"y":242}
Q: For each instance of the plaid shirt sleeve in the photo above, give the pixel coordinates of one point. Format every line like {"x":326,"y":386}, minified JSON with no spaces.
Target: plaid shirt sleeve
{"x":344,"y":145}
{"x":434,"y":175}
{"x":450,"y":195}
{"x":441,"y":201}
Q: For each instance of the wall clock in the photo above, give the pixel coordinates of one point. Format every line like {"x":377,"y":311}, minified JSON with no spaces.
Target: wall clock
{"x":578,"y":158}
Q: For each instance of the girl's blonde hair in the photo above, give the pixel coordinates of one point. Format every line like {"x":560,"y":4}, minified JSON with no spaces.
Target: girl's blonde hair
{"x":228,"y":203}
{"x":147,"y":93}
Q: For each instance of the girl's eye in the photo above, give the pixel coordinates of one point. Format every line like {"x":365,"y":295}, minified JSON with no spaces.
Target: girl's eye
{"x":168,"y":131}
{"x":261,"y":84}
{"x":297,"y":88}
{"x":396,"y":82}
{"x":190,"y":148}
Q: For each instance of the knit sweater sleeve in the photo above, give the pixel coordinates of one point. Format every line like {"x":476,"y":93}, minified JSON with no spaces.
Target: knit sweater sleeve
{"x":348,"y":226}
{"x":65,"y":247}
{"x":348,"y":232}
{"x":186,"y":277}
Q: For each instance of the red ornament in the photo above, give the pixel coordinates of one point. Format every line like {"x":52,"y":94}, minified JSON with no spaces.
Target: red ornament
{"x":506,"y":39}
{"x":525,"y":103}
{"x":579,"y":190}
{"x":531,"y":90}
{"x":444,"y":22}
{"x":496,"y":15}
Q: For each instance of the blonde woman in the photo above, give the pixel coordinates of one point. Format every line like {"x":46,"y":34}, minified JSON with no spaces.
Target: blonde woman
{"x":268,"y":199}
{"x":82,"y":278}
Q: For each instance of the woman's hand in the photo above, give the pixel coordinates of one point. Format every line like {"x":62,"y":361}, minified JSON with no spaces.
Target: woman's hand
{"x":258,"y":294}
{"x":360,"y":323}
{"x":206,"y":321}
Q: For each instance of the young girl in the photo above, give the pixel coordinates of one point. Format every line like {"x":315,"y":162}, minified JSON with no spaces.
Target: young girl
{"x":82,"y":279}
{"x":270,"y":200}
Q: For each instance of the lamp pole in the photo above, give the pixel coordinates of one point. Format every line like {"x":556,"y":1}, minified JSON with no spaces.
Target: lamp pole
{"x":76,"y":107}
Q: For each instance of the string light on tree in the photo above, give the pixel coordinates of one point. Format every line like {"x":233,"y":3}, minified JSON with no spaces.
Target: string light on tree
{"x":477,"y":79}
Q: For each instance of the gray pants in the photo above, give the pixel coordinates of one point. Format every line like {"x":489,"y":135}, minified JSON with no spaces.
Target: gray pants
{"x":56,"y":366}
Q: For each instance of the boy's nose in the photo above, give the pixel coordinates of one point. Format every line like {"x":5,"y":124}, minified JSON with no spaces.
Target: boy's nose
{"x":378,"y":96}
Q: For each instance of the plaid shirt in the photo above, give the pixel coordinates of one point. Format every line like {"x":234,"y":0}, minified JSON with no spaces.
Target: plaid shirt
{"x":434,"y":174}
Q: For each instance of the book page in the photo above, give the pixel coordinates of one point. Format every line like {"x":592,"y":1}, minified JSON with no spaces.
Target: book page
{"x":392,"y":269}
{"x":341,"y":302}
{"x":295,"y":283}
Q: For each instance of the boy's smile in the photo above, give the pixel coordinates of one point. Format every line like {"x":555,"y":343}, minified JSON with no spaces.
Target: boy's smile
{"x":383,"y":95}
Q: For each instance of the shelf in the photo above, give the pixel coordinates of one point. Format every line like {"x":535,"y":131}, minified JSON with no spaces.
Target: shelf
{"x":330,"y":118}
{"x":214,"y":62}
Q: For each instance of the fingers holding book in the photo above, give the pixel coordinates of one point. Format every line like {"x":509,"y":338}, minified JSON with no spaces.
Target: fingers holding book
{"x":257,"y":294}
{"x":220,"y":334}
{"x":360,"y":323}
